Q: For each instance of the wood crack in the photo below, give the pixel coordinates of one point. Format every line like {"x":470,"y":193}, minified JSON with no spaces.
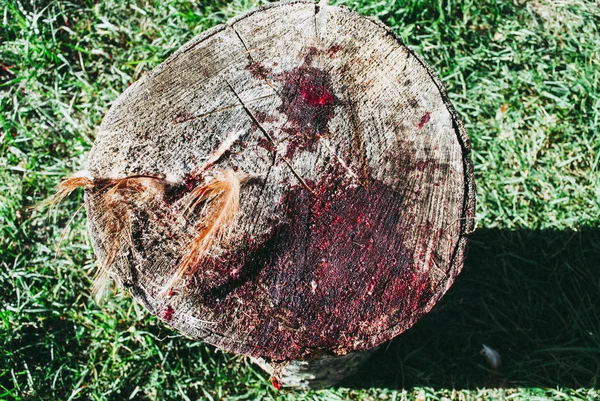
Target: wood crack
{"x":321,"y":19}
{"x":270,"y":139}
{"x":262,"y":191}
{"x":185,"y":118}
{"x":251,"y":59}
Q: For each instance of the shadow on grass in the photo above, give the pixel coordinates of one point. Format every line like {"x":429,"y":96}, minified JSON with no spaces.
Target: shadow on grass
{"x":532,"y":295}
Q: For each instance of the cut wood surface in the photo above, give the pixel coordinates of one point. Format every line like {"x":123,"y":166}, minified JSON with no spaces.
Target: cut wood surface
{"x":357,"y":191}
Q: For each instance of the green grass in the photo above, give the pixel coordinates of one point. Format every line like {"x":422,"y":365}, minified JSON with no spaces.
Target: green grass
{"x":525,"y":76}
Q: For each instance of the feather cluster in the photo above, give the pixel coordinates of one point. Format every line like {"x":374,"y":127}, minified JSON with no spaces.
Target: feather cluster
{"x":219,"y":197}
{"x":113,"y":197}
{"x":214,"y":204}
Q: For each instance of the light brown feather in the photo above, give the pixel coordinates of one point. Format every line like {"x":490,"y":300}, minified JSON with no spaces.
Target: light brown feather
{"x":221,"y":200}
{"x":115,"y":197}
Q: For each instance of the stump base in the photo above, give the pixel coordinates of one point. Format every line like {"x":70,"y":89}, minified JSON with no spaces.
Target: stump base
{"x":314,"y":374}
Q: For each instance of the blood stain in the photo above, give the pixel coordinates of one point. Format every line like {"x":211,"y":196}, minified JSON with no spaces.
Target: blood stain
{"x":168,"y":313}
{"x":333,"y":50}
{"x":309,"y":103}
{"x":257,"y":70}
{"x":276,"y":383}
{"x":424,"y":120}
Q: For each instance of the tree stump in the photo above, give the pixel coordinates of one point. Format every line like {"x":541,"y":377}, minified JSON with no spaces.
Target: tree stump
{"x":356,"y":199}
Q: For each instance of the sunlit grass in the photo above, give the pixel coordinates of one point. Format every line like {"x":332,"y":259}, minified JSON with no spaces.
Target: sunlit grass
{"x":525,"y":77}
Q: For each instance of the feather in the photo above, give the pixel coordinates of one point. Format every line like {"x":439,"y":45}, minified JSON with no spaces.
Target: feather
{"x":114,"y":197}
{"x":100,"y":285}
{"x":220,"y":197}
{"x":217,"y":154}
{"x":67,"y":186}
{"x":116,"y":202}
{"x":83,"y":179}
{"x":492,"y":356}
{"x":321,"y":22}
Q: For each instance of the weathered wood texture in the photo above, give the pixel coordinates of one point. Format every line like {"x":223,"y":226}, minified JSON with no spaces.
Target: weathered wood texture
{"x":317,"y":373}
{"x":354,"y":222}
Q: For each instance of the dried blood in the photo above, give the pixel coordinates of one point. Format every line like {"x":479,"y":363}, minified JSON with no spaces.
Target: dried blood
{"x":309,"y":103}
{"x":276,"y":383}
{"x":424,"y":120}
{"x":168,"y":313}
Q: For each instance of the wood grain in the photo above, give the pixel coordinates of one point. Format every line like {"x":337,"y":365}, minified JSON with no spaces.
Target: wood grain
{"x":355,"y":220}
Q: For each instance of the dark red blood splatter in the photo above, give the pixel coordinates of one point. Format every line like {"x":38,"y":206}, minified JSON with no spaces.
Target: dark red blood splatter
{"x":263,"y":117}
{"x":265,"y":144}
{"x":316,"y":95}
{"x":257,"y":70}
{"x":168,"y":313}
{"x":424,"y":120}
{"x":183,"y":117}
{"x":190,"y":181}
{"x":421,"y":165}
{"x":312,"y":52}
{"x":307,"y":98}
{"x":300,"y":143}
{"x":333,"y":50}
{"x":333,"y":273}
{"x":276,"y":383}
{"x":309,"y":103}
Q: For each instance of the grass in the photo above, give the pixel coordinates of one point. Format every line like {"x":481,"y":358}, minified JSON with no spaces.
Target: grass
{"x":525,"y":76}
